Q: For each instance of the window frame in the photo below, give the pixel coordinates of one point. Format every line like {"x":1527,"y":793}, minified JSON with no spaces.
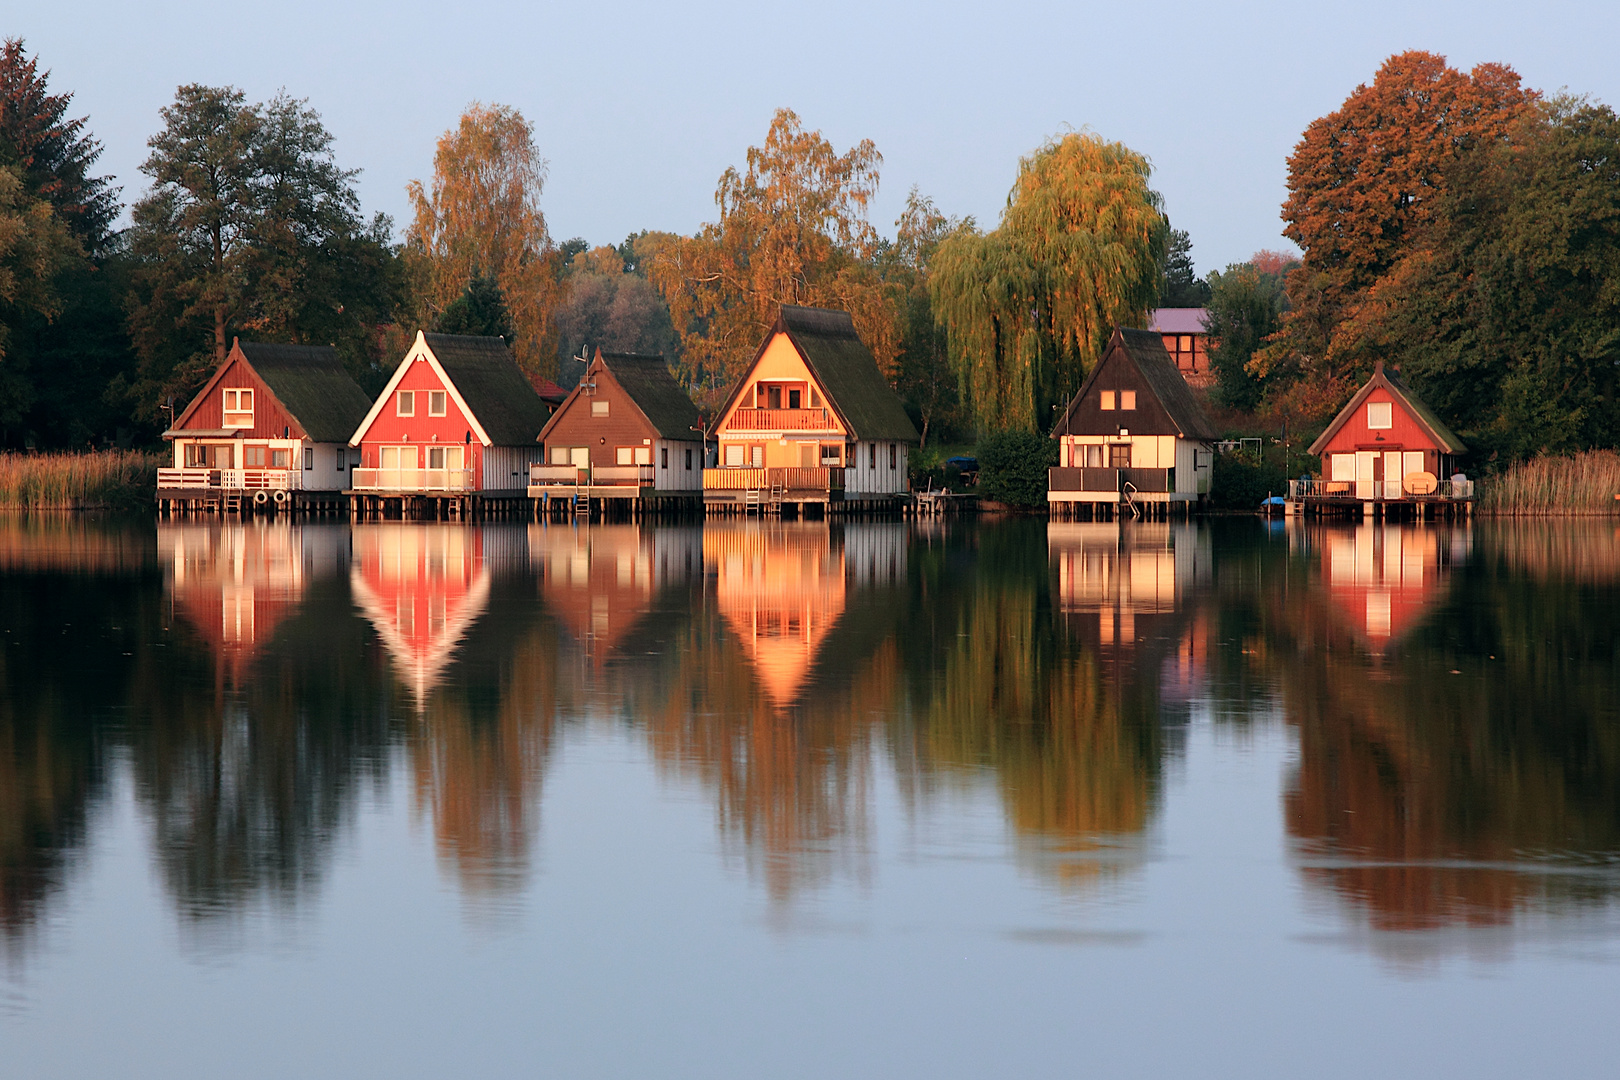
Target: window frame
{"x":1388,"y":408}
{"x":1127,"y":401}
{"x":442,"y":398}
{"x":1105,"y":401}
{"x":599,"y":408}
{"x":405,"y":403}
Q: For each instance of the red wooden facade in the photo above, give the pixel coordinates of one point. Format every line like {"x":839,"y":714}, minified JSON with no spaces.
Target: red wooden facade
{"x":206,"y":412}
{"x":420,"y":429}
{"x":1385,"y":444}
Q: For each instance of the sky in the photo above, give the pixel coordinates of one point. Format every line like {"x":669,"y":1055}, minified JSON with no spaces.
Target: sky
{"x":640,"y":107}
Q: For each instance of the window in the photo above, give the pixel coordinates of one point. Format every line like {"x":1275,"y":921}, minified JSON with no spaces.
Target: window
{"x":342,"y":459}
{"x":794,"y":398}
{"x":829,"y":454}
{"x":559,"y":455}
{"x":1119,"y":455}
{"x":253,"y":457}
{"x":1380,"y":415}
{"x":689,"y":461}
{"x":405,"y":403}
{"x":599,"y":408}
{"x":435,"y":456}
{"x":208,"y":456}
{"x":621,"y":455}
{"x":1127,"y":399}
{"x":815,"y":399}
{"x":281,"y":459}
{"x":436,"y":402}
{"x":1108,"y":401}
{"x":1344,"y":467}
{"x":871,"y":456}
{"x":894,"y":455}
{"x":759,"y":456}
{"x":238,"y":409}
{"x":663,"y":457}
{"x":734,"y":455}
{"x":1091,"y":456}
{"x":643,"y":455}
{"x":309,"y":457}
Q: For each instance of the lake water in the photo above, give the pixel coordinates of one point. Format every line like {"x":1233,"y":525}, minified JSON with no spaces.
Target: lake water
{"x":808,"y":800}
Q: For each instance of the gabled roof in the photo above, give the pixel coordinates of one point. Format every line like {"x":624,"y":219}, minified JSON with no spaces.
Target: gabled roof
{"x":1391,"y":382}
{"x":485,"y":382}
{"x":312,"y":384}
{"x":1178,"y":320}
{"x":846,"y":370}
{"x":309,"y":382}
{"x":492,"y":385}
{"x":1144,"y":349}
{"x":646,"y":381}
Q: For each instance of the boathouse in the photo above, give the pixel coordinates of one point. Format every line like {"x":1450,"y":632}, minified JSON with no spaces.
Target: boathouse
{"x":454,"y":430}
{"x":626,"y":435}
{"x":269,"y":430}
{"x":1385,"y":445}
{"x":1185,"y":332}
{"x":1133,"y":436}
{"x":811,"y":421}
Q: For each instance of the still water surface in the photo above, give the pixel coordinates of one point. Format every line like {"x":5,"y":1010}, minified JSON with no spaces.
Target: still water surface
{"x":804,"y":800}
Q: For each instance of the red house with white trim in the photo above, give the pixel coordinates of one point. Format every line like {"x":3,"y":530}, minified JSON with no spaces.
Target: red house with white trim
{"x":458,"y":416}
{"x":1386,"y":445}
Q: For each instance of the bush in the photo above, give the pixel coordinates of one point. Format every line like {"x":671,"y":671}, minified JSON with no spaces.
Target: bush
{"x":1012,"y":467}
{"x":1243,"y":485}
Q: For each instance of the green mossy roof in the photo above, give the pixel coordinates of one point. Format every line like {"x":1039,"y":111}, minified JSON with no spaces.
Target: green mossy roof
{"x":647,"y":381}
{"x":312,"y":384}
{"x":848,"y":373}
{"x":493,"y":386}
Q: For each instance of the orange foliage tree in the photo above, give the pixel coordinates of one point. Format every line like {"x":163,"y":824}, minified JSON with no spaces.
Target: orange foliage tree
{"x":1362,"y":184}
{"x":792,"y":230}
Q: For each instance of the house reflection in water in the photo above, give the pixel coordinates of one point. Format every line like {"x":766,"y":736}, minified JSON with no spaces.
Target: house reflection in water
{"x":1122,"y":571}
{"x":602,"y":581}
{"x":1383,"y":577}
{"x":235,"y":582}
{"x":421,"y":587}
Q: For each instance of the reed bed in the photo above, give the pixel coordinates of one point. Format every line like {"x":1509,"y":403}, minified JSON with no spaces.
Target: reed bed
{"x":101,"y":480}
{"x":1584,"y":483}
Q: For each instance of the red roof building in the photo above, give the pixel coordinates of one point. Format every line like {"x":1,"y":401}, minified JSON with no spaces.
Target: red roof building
{"x":1387,"y":445}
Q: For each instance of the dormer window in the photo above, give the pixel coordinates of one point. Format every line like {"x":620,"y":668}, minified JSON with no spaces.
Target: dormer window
{"x":238,"y":409}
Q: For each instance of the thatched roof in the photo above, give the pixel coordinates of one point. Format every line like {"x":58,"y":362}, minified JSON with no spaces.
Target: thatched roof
{"x":313,"y":386}
{"x":848,"y":372}
{"x":1391,"y":382}
{"x":493,"y":386}
{"x":1144,"y":350}
{"x":647,"y":381}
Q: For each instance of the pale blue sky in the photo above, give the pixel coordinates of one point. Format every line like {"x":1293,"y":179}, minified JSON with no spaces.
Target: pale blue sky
{"x":639,"y":108}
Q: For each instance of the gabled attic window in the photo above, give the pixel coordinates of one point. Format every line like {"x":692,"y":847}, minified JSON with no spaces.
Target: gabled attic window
{"x":1380,"y":415}
{"x":1107,"y":402}
{"x":238,"y":411}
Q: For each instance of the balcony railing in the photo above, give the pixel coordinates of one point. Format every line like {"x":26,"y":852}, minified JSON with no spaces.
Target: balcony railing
{"x":1447,"y":490}
{"x":1147,"y":481}
{"x":231,"y":479}
{"x":824,"y":478}
{"x":781,"y":420}
{"x":632,"y":475}
{"x":558,"y":475}
{"x":415,"y":480}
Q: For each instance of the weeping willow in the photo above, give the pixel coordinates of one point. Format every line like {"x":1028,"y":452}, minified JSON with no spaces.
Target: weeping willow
{"x":1029,"y":307}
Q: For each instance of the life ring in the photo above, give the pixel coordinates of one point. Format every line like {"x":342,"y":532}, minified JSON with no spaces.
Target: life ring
{"x":260,"y":498}
{"x":281,"y":497}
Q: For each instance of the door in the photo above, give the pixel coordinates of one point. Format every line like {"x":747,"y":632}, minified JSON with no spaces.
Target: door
{"x":1365,"y":460}
{"x":580,"y":457}
{"x":1392,"y":474}
{"x":808,"y":453}
{"x":1411,"y":462}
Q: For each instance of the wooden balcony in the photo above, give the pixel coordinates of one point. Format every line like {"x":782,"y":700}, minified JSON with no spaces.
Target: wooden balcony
{"x":231,"y":479}
{"x":781,"y":420}
{"x":415,"y":480}
{"x":1147,"y":481}
{"x":824,"y":479}
{"x":558,"y":476}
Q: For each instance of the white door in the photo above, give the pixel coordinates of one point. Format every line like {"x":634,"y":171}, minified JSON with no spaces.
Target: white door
{"x":1364,"y":473}
{"x":1411,"y":462}
{"x":1392,"y":474}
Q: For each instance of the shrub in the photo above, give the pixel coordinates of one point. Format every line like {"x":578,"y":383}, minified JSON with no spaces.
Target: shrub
{"x":1012,"y":467}
{"x":1242,"y":485}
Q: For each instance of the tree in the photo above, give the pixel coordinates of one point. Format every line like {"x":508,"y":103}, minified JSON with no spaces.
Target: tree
{"x":1246,"y":304}
{"x":1029,"y":307}
{"x":792,"y":230}
{"x":1362,"y":182}
{"x":481,"y":310}
{"x":250,"y":227}
{"x":53,"y":155}
{"x":1179,"y":284}
{"x":611,"y":307}
{"x":34,"y":246}
{"x":1506,"y":315}
{"x":482,"y":217}
{"x":922,"y":372}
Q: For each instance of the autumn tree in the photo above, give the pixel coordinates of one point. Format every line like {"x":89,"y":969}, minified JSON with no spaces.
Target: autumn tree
{"x":792,"y":230}
{"x":1362,"y":183}
{"x":1029,"y":306}
{"x":612,"y":306}
{"x":250,"y":227}
{"x":1246,"y":305}
{"x":480,"y":216}
{"x":923,"y":375}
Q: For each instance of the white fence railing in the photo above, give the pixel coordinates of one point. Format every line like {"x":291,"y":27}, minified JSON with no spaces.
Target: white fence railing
{"x":231,"y":479}
{"x":414,"y":480}
{"x":1369,"y":489}
{"x":570,"y":475}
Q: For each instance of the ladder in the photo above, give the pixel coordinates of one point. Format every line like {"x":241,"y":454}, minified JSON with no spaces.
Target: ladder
{"x":1129,"y":491}
{"x":751,"y":501}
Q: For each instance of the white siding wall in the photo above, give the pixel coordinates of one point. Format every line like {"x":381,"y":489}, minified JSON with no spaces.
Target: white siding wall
{"x":860,"y":478}
{"x":677,"y":477}
{"x":325,"y":476}
{"x":507,"y":467}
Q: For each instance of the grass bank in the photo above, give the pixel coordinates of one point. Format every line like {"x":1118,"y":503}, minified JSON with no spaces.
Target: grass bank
{"x":110,"y":479}
{"x":1584,"y":483}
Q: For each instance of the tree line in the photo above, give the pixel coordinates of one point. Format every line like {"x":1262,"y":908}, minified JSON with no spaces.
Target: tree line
{"x":1455,"y":225}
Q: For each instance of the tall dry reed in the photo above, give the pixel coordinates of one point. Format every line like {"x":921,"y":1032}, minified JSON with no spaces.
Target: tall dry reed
{"x":104,"y":479}
{"x":1584,"y":483}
